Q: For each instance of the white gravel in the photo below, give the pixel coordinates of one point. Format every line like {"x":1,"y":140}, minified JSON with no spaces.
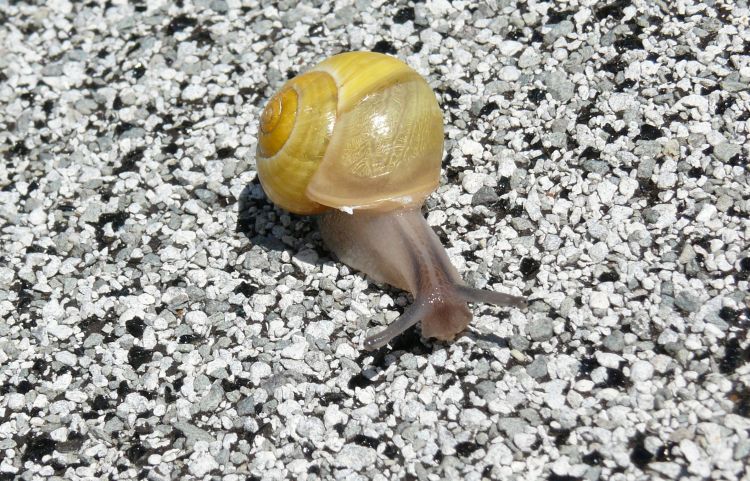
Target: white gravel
{"x":162,"y":320}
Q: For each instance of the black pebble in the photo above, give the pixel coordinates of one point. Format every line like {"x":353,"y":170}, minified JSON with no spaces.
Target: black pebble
{"x":404,"y":15}
{"x":135,"y":327}
{"x":137,"y":356}
{"x":38,"y":447}
{"x":384,"y":46}
{"x":649,"y":132}
{"x":529,"y":267}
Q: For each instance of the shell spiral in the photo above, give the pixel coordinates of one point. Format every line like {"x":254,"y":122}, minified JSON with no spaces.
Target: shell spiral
{"x":360,"y":130}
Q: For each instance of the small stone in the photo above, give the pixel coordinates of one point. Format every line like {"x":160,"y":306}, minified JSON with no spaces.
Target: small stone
{"x":529,"y":58}
{"x":559,"y":29}
{"x":472,"y":182}
{"x":511,"y":426}
{"x":194,"y":92}
{"x":606,"y":191}
{"x":510,"y":47}
{"x":321,"y":329}
{"x":553,"y":396}
{"x":641,"y":371}
{"x":541,"y":330}
{"x":620,"y":102}
{"x":524,"y":441}
{"x":311,"y":428}
{"x":184,"y":237}
{"x":698,"y":101}
{"x":599,"y":300}
{"x":15,"y":401}
{"x":615,"y":341}
{"x":509,"y":73}
{"x":498,"y":454}
{"x":690,"y":450}
{"x":646,"y":167}
{"x":113,"y":425}
{"x":306,"y":260}
{"x":246,"y":406}
{"x":725,"y":151}
{"x":258,"y":371}
{"x":202,"y":464}
{"x":608,"y":359}
{"x":595,"y":166}
{"x":484,"y":196}
{"x":60,"y":331}
{"x":219,"y":6}
{"x":688,"y":300}
{"x":661,"y":215}
{"x":706,"y":214}
{"x":472,"y":418}
{"x":66,"y":357}
{"x":668,"y":336}
{"x":439,"y":8}
{"x":198,"y":318}
{"x":584,"y":385}
{"x":559,"y":86}
{"x":687,"y":255}
{"x":60,"y":435}
{"x":212,"y":399}
{"x":470,"y":147}
{"x":295,"y":351}
{"x":355,"y":457}
{"x":85,"y":106}
{"x":519,"y":343}
{"x":192,"y":432}
{"x":669,"y":469}
{"x":742,"y":449}
{"x":733,"y":85}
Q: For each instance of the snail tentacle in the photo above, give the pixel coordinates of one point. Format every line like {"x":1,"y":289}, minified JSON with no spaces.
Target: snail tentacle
{"x":411,"y":316}
{"x":471,"y":294}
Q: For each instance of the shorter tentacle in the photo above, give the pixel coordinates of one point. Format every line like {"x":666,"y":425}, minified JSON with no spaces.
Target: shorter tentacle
{"x":471,"y":294}
{"x":411,"y":316}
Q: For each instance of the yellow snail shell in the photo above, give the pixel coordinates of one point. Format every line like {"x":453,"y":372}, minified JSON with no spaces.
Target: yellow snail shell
{"x":359,"y":130}
{"x":359,"y":139}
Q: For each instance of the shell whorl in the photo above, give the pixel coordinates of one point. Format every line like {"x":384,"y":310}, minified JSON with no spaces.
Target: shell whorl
{"x":295,"y":129}
{"x":359,"y":130}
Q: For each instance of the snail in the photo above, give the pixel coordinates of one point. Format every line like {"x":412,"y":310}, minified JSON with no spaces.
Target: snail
{"x":358,"y":140}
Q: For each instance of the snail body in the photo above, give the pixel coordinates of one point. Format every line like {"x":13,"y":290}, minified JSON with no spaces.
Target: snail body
{"x":358,"y":139}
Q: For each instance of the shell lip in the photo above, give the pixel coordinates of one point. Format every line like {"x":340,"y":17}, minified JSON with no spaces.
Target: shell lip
{"x":379,"y":205}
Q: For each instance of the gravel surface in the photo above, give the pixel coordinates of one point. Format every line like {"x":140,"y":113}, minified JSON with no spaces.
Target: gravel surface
{"x":161,"y":320}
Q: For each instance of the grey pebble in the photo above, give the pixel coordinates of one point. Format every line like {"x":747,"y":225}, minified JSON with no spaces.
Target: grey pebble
{"x":646,"y":167}
{"x":725,"y":151}
{"x":520,"y":343}
{"x":538,"y":367}
{"x":512,"y":426}
{"x":558,"y":30}
{"x":615,"y":341}
{"x":558,"y":86}
{"x":541,"y":329}
{"x":688,"y":300}
{"x":192,"y":432}
{"x":484,"y":196}
{"x":742,"y":450}
{"x":595,"y":166}
{"x":219,"y":6}
{"x":212,"y":399}
{"x":355,"y":457}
